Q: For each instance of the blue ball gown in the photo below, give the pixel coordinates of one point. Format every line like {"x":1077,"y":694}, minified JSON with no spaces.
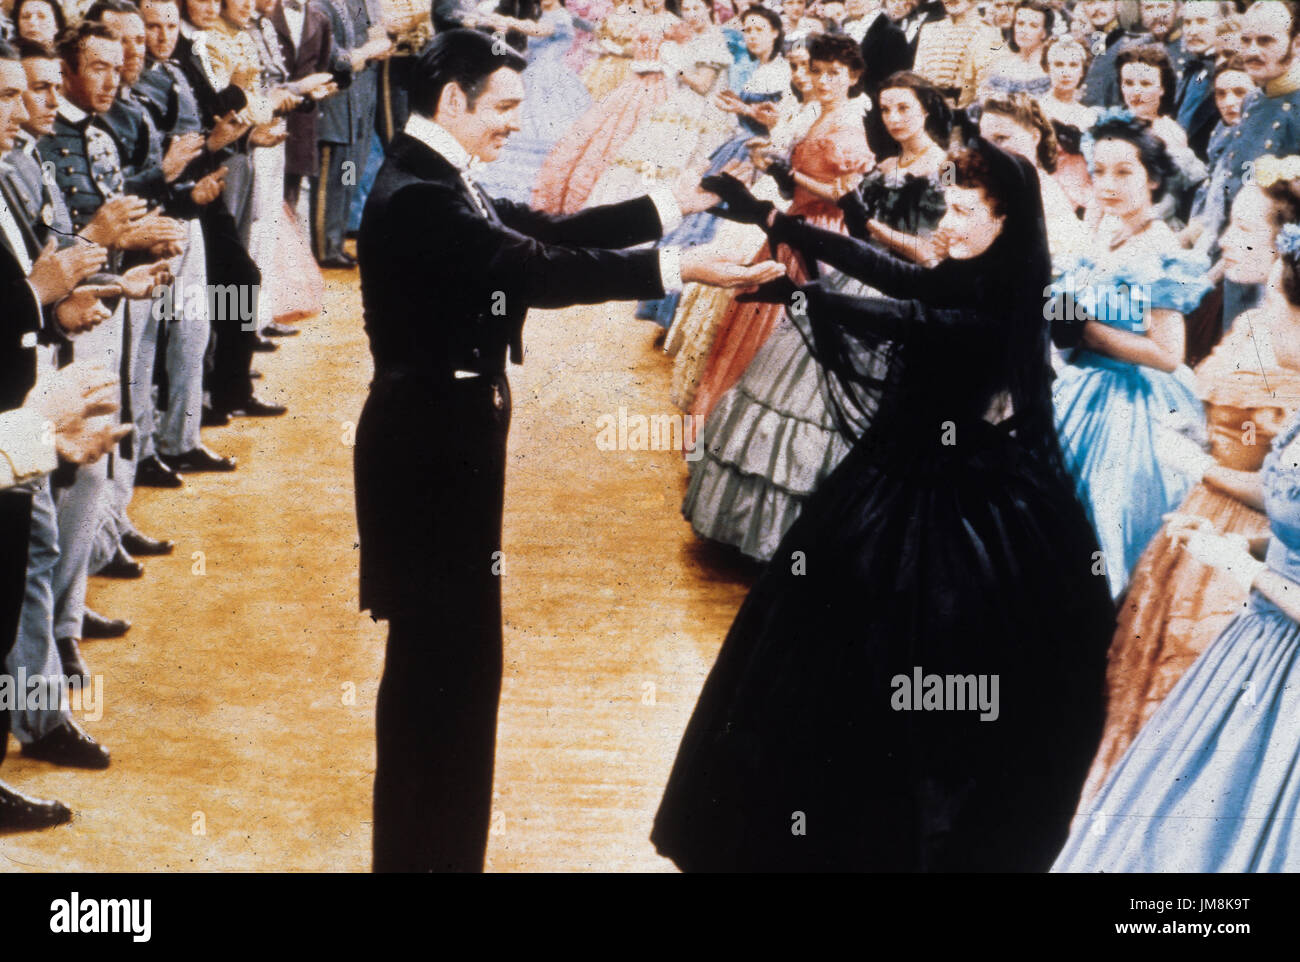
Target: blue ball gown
{"x":1109,"y":412}
{"x":555,"y":98}
{"x":1210,"y":783}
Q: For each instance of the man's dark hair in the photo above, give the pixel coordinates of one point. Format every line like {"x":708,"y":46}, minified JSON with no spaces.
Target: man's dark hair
{"x":466,"y":57}
{"x":1233,"y":63}
{"x":34,"y":49}
{"x":101,"y":7}
{"x":71,"y":41}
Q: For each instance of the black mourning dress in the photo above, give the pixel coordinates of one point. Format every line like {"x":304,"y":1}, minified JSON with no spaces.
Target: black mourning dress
{"x":942,"y":542}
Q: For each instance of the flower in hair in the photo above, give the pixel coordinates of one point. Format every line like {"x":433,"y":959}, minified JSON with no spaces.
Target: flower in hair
{"x":1269,"y":169}
{"x":1288,"y":240}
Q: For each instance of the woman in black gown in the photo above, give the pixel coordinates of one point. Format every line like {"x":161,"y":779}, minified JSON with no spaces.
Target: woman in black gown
{"x":948,"y":541}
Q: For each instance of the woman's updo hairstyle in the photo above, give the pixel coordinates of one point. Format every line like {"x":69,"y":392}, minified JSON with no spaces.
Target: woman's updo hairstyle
{"x":1151,"y":150}
{"x":836,"y":48}
{"x":1280,"y":181}
{"x":1025,"y":111}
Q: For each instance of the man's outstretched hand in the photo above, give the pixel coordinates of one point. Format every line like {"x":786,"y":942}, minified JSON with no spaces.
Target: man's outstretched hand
{"x":725,"y":269}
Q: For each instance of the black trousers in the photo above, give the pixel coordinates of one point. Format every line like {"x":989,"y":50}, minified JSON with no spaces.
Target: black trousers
{"x":430,"y":487}
{"x":15,"y":532}
{"x":229,"y":268}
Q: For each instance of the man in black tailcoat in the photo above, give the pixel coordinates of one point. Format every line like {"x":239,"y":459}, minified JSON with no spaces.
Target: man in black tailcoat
{"x":447,"y":277}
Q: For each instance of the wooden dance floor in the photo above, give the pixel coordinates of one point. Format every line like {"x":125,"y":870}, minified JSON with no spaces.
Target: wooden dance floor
{"x":240,"y":708}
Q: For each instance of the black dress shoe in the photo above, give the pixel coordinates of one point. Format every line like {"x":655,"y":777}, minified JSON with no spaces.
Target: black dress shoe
{"x":279,"y":330}
{"x":212,"y":418}
{"x":264,"y":345}
{"x":152,"y":473}
{"x":136,"y":543}
{"x":95,"y":625}
{"x":199,"y":459}
{"x":68,"y":745}
{"x":255,"y":407}
{"x":19,"y":812}
{"x":122,"y":565}
{"x":339,"y":262}
{"x":74,"y":666}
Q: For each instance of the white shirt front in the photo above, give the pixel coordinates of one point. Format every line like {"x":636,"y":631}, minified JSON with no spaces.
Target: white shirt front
{"x":294,"y":19}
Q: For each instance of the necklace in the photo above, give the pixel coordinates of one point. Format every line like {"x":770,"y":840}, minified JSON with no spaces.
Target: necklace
{"x":903,"y":164}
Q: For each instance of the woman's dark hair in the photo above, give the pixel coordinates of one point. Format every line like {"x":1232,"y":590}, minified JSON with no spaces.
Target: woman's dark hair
{"x":970,"y":169}
{"x":60,"y":22}
{"x":1025,"y":111}
{"x":466,"y":57}
{"x":1152,"y":56}
{"x":1151,"y":150}
{"x":938,"y":115}
{"x":1049,"y":22}
{"x":773,"y":20}
{"x":1284,"y":208}
{"x":836,"y":48}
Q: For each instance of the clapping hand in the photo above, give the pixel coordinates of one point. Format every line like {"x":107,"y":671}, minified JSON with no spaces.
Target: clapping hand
{"x":209,"y":188}
{"x":56,"y":272}
{"x":113,"y":218}
{"x":161,"y":236}
{"x":82,"y":309}
{"x":182,"y":150}
{"x":140,"y":282}
{"x":72,"y":399}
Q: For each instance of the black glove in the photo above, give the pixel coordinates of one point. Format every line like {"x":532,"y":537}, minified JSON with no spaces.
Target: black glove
{"x":783,"y":174}
{"x":779,"y":291}
{"x":740,"y":205}
{"x":856,"y":214}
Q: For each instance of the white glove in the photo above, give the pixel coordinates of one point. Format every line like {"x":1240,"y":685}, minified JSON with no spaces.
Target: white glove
{"x":1228,"y":554}
{"x":1182,"y":453}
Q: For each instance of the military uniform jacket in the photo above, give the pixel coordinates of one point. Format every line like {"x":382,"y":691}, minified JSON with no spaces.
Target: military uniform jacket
{"x":1270,"y":124}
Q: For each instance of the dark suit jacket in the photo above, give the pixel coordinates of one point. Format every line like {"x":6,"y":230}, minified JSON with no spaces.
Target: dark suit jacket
{"x":886,"y":51}
{"x":1196,"y":111}
{"x":313,"y":54}
{"x":19,"y":317}
{"x":21,"y":321}
{"x":445,"y":288}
